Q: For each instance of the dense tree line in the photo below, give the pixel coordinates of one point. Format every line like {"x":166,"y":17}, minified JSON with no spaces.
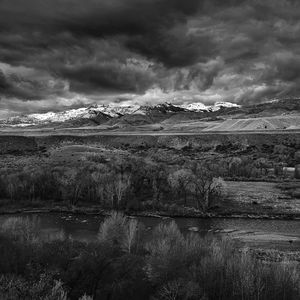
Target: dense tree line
{"x":121,"y":183}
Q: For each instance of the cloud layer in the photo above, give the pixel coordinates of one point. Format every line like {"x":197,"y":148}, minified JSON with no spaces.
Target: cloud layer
{"x":58,"y":53}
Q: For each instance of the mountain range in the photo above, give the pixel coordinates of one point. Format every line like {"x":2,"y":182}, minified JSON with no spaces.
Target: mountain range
{"x":102,"y":113}
{"x":134,"y":115}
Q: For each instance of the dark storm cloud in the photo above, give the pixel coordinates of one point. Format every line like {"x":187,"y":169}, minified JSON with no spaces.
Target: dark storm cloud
{"x":25,"y":83}
{"x":144,"y":23}
{"x":95,"y":17}
{"x":285,"y":66}
{"x":113,"y":76}
{"x":175,"y":48}
{"x":235,"y":50}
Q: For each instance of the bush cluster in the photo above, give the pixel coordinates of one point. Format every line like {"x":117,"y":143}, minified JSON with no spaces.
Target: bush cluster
{"x":125,"y":263}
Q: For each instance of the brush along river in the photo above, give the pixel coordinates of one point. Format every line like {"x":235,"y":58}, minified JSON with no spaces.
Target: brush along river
{"x":268,"y":234}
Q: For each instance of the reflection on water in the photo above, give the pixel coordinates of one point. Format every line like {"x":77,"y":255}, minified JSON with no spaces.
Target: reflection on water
{"x":85,"y":228}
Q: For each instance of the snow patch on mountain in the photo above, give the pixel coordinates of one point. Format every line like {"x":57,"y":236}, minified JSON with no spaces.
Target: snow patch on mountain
{"x":219,"y":105}
{"x":198,"y":106}
{"x":61,"y":116}
{"x":115,"y":110}
{"x":195,"y":106}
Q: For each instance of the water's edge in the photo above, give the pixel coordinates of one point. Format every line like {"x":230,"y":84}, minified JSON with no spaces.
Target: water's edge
{"x":156,"y":214}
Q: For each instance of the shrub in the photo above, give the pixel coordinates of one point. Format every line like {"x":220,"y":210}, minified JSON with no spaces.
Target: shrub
{"x":120,"y":232}
{"x":165,"y":260}
{"x":95,"y":157}
{"x":22,"y":229}
{"x":181,"y":289}
{"x":112,"y":230}
{"x":85,"y":297}
{"x":18,"y":288}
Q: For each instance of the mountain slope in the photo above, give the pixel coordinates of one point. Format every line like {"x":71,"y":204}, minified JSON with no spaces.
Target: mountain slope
{"x":256,"y":124}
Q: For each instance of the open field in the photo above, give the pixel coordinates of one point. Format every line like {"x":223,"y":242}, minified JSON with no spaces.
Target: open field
{"x":265,"y":197}
{"x":96,"y":131}
{"x":189,"y":128}
{"x":32,"y":140}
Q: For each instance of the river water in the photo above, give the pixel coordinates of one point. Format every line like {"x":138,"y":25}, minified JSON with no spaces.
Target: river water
{"x":276,"y":234}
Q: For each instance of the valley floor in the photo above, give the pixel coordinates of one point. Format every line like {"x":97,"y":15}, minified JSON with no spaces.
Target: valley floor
{"x":90,"y":131}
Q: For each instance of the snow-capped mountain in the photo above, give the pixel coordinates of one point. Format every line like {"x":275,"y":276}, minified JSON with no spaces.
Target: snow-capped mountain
{"x":90,"y":112}
{"x":166,"y":107}
{"x":109,"y":111}
{"x":114,"y":110}
{"x":129,"y":114}
{"x":219,"y":105}
{"x":198,"y":106}
{"x":49,"y":117}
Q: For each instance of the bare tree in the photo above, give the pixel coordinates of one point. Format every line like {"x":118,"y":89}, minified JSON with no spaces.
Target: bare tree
{"x":130,"y":238}
{"x":208,"y":185}
{"x":121,"y":185}
{"x":182,"y":181}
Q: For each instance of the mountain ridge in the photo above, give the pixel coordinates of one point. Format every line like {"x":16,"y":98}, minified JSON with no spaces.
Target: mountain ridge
{"x":97,"y":114}
{"x":110,"y":110}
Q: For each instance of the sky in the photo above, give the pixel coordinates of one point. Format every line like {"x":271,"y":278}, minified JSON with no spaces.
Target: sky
{"x":58,"y":54}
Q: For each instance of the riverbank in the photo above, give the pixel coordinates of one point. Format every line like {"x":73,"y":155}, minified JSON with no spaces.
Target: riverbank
{"x":152,"y":255}
{"x":269,"y":240}
{"x":189,"y":213}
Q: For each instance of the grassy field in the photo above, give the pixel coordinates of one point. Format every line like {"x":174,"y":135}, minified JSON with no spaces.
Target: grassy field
{"x":265,"y":197}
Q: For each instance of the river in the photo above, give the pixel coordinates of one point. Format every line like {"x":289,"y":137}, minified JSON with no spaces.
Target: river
{"x":271,"y":234}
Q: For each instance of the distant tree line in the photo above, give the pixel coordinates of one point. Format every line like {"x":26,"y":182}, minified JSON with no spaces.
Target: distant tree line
{"x":132,"y":183}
